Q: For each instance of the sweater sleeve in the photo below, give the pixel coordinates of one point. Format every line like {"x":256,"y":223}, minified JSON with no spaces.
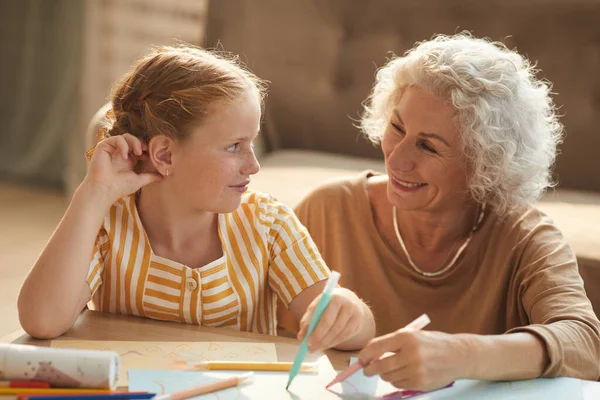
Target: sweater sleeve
{"x":551,"y":292}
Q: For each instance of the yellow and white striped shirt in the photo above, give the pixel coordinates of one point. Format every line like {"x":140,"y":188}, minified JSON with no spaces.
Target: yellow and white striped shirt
{"x":266,"y":252}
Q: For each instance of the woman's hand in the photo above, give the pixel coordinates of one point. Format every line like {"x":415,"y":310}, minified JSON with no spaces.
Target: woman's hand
{"x":340,"y":321}
{"x":422,"y":360}
{"x":111,"y":171}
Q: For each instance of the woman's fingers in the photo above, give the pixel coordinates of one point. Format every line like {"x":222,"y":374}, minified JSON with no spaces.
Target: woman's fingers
{"x":401,"y":383}
{"x":396,"y":375}
{"x":392,"y":342}
{"x":420,"y":360}
{"x":386,"y":365}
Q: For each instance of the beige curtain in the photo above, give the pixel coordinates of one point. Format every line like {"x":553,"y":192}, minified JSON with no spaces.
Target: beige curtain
{"x":40,"y":49}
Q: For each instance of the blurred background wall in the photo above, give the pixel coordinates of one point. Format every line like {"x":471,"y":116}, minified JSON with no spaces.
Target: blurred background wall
{"x":321,"y":57}
{"x":59,"y":61}
{"x":60,"y":58}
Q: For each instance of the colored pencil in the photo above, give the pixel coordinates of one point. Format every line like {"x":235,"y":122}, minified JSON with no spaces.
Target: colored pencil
{"x":251,"y":366}
{"x":70,"y":396}
{"x":416,"y":325}
{"x":208,"y":388}
{"x":107,"y":396}
{"x":403,"y":394}
{"x":51,"y":391}
{"x":321,"y":306}
{"x":24,"y":384}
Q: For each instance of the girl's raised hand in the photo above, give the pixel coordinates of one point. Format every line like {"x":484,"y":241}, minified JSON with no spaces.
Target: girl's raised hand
{"x":111,"y":173}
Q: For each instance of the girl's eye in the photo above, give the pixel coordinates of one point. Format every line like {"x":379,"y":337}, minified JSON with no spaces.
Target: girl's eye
{"x":233,"y":147}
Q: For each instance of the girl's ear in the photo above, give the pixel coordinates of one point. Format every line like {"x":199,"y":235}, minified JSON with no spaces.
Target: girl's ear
{"x":159,"y":153}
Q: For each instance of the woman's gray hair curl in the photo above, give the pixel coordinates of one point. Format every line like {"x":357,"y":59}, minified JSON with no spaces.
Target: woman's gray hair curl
{"x":508,"y":121}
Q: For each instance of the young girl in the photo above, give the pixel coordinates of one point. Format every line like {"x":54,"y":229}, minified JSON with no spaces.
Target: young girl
{"x":172,"y":230}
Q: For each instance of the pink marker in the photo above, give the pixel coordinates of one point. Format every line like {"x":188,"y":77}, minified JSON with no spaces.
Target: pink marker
{"x":405,"y":394}
{"x":416,"y":325}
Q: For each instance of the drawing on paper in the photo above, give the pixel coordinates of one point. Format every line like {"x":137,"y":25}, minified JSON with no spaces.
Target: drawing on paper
{"x":173,"y":355}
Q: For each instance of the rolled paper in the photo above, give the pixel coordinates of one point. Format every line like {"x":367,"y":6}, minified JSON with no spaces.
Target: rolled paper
{"x":64,"y":368}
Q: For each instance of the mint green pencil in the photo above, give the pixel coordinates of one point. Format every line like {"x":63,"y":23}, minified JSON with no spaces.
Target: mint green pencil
{"x":323,"y":302}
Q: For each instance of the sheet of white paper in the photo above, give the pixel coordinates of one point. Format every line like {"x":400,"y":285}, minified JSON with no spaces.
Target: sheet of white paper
{"x":359,"y":384}
{"x":265,"y":386}
{"x":547,"y":389}
{"x":271,"y":385}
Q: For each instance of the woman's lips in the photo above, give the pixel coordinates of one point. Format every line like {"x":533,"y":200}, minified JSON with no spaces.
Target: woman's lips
{"x":407,"y":186}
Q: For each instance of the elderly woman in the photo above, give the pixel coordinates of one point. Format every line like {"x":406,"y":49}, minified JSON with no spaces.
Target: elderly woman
{"x":469,"y":136}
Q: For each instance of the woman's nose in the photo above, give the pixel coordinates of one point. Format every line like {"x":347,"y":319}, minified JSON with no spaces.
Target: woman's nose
{"x":402,"y":158}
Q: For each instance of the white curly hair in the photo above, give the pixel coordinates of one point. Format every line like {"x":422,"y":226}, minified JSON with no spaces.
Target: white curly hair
{"x":509,"y":125}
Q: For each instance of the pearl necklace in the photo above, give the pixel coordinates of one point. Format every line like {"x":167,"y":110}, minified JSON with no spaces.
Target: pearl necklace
{"x":456,"y":256}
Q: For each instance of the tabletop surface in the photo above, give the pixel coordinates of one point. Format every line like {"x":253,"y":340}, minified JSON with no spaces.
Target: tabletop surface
{"x":94,"y":325}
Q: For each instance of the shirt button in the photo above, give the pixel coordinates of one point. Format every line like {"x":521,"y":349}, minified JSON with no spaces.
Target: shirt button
{"x":191,"y":284}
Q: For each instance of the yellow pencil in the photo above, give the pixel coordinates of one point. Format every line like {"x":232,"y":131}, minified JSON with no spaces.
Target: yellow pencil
{"x":251,"y":366}
{"x":52,"y":391}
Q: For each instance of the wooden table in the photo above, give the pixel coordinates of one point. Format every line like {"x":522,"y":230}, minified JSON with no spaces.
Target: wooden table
{"x":93,"y":325}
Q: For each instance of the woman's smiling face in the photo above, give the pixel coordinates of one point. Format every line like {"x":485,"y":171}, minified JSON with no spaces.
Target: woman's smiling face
{"x":422,"y":151}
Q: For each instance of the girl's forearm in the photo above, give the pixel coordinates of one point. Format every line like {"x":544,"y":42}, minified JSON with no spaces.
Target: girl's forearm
{"x":55,"y":291}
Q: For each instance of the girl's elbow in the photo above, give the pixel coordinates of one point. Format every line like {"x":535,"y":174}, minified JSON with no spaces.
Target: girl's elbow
{"x":41,"y":331}
{"x":39,"y":323}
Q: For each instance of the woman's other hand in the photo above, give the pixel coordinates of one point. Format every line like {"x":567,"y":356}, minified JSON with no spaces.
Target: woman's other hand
{"x":421,"y":360}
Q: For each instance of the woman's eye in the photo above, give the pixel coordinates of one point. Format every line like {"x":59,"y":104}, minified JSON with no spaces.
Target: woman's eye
{"x":428,"y":148}
{"x":233,"y":147}
{"x":397,"y":128}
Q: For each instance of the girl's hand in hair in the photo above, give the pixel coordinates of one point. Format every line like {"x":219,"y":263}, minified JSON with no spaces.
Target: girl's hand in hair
{"x":111,"y":174}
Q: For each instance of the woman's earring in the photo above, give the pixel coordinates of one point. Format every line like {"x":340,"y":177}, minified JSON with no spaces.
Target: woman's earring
{"x":167,"y":173}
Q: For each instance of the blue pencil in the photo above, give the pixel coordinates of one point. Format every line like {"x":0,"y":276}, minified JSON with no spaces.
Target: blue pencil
{"x":321,"y":306}
{"x":108,"y":396}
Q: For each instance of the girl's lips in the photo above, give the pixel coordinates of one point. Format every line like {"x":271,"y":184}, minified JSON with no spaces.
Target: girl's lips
{"x":242,"y":187}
